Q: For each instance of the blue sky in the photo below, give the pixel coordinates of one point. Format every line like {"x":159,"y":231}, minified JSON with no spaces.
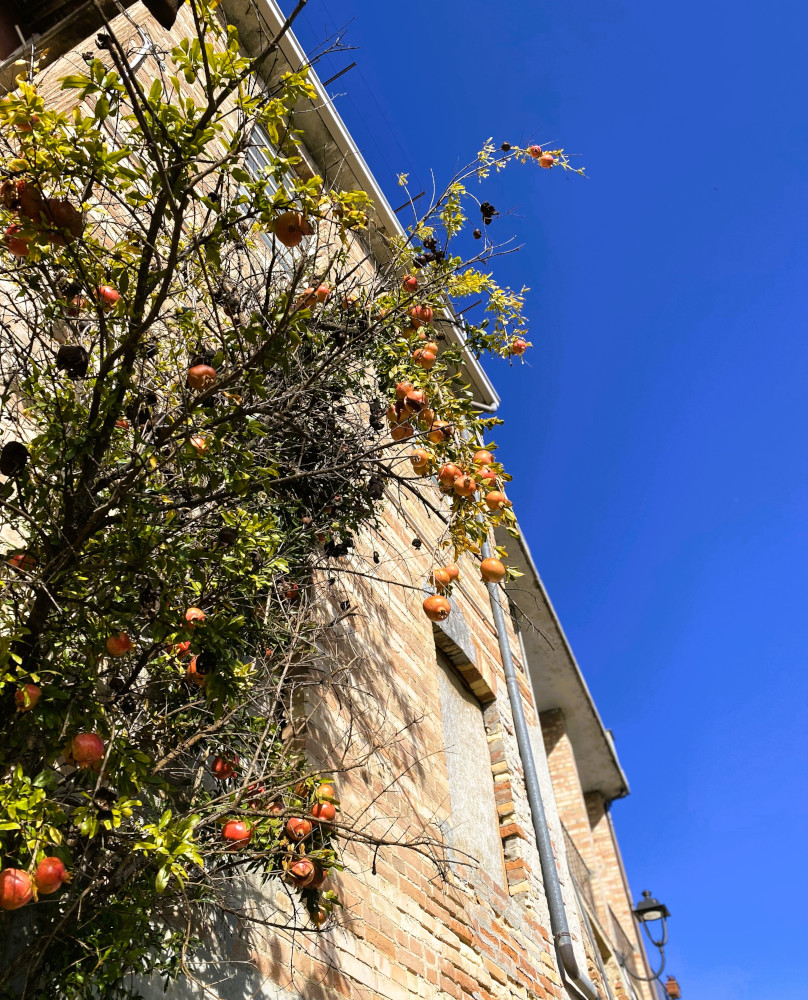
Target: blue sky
{"x":658,"y":437}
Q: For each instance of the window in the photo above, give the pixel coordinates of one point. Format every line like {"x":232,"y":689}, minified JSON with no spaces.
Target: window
{"x":472,"y":826}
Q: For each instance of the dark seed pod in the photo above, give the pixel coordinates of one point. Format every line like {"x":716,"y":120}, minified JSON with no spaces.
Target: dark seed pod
{"x":104,"y":800}
{"x":13,"y":458}
{"x":375,"y":487}
{"x":206,"y":662}
{"x":73,"y":360}
{"x":376,"y":558}
{"x":227,"y":535}
{"x":417,"y":543}
{"x":164,"y":11}
{"x":505,"y":147}
{"x":477,"y":234}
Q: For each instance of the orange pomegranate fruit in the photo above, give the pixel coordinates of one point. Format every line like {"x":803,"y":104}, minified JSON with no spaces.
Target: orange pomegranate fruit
{"x":16,"y":244}
{"x":441,"y":579}
{"x":290,"y":228}
{"x":492,"y":570}
{"x":421,"y":315}
{"x":519,"y":346}
{"x":401,"y":432}
{"x":424,"y":359}
{"x":546,"y":160}
{"x":194,"y":675}
{"x":301,"y":873}
{"x":464,"y":486}
{"x":201,"y":376}
{"x":448,"y":473}
{"x":402,"y":388}
{"x":409,"y":283}
{"x":482,"y":457}
{"x":535,"y":151}
{"x":108,"y":296}
{"x":324,"y":812}
{"x":194,"y":617}
{"x":496,"y":500}
{"x":436,"y":608}
{"x":420,"y":461}
{"x":453,"y":572}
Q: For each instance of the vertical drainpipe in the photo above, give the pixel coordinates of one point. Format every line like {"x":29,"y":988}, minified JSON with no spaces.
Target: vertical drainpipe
{"x":552,"y":886}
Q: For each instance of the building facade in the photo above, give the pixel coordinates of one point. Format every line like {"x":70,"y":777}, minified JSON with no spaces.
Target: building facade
{"x":482,"y":728}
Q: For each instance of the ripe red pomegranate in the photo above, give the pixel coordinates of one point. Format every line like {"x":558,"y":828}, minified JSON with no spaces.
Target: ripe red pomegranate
{"x":482,"y":457}
{"x":420,"y":461}
{"x":436,"y":608}
{"x":224,"y":768}
{"x":17,"y":246}
{"x":546,"y":160}
{"x":237,"y":833}
{"x":326,"y":790}
{"x":415,"y":400}
{"x":448,"y":473}
{"x":322,"y":292}
{"x":424,"y":359}
{"x":298,"y":828}
{"x":421,"y":316}
{"x":85,"y":750}
{"x":199,"y":443}
{"x":324,"y":812}
{"x":67,"y":219}
{"x":488,"y":476}
{"x":119,"y":645}
{"x":402,"y":388}
{"x":108,"y":296}
{"x":49,"y":875}
{"x":496,"y":500}
{"x":492,"y":570}
{"x":201,"y":376}
{"x":535,"y":151}
{"x":194,"y":617}
{"x":16,"y":888}
{"x":26,"y":697}
{"x":301,"y":873}
{"x":410,"y":283}
{"x":22,"y":561}
{"x":519,"y":346}
{"x":122,"y":424}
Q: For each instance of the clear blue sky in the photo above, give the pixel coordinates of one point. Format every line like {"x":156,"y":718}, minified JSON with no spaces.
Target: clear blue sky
{"x":658,"y":438}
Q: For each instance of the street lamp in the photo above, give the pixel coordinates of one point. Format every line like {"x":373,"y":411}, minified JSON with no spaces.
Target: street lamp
{"x":647,"y":912}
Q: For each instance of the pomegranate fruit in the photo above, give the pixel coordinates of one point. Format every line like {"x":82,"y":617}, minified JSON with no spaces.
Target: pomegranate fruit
{"x":119,"y":645}
{"x":402,"y":388}
{"x":201,"y":376}
{"x":421,"y":316}
{"x":519,"y":346}
{"x":401,"y":432}
{"x":436,"y":608}
{"x":108,"y":296}
{"x":85,"y":750}
{"x":301,"y":873}
{"x":409,"y":283}
{"x":237,"y":833}
{"x":535,"y":151}
{"x":194,"y":617}
{"x":415,"y":400}
{"x":290,"y":228}
{"x":224,"y":768}
{"x":453,"y":572}
{"x":492,"y":570}
{"x":326,"y":790}
{"x":49,"y":875}
{"x":496,"y":500}
{"x":324,"y":812}
{"x":194,"y":675}
{"x":22,"y":561}
{"x":424,"y":359}
{"x":482,"y":457}
{"x":26,"y":697}
{"x":298,"y":828}
{"x":441,"y":579}
{"x":322,"y":292}
{"x":546,"y":160}
{"x":448,"y":473}
{"x":488,"y":476}
{"x":16,"y":888}
{"x":17,"y":246}
{"x":464,"y":486}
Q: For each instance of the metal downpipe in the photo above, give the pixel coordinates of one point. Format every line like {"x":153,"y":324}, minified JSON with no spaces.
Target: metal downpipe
{"x":552,"y":886}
